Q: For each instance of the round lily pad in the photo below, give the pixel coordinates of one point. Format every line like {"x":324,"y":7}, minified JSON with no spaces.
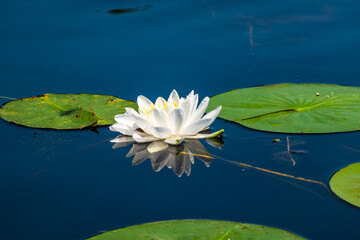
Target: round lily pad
{"x":292,"y":108}
{"x":64,"y":111}
{"x":196,"y":230}
{"x":346,"y":184}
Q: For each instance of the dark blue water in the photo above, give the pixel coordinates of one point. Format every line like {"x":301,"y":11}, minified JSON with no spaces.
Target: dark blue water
{"x":73,"y":185}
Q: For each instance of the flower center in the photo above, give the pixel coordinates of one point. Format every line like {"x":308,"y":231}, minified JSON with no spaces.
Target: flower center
{"x":159,"y":106}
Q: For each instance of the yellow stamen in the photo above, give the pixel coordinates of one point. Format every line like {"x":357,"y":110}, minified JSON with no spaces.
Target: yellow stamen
{"x":147,"y":111}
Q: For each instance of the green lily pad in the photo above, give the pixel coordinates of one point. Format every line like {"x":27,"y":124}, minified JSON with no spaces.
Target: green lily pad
{"x":292,"y":108}
{"x":64,"y":111}
{"x":196,"y":230}
{"x":346,"y":184}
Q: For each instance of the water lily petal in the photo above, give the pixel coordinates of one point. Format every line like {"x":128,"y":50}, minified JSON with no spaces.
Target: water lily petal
{"x":125,"y":119}
{"x":176,"y":120}
{"x":144,"y":102}
{"x":213,"y":114}
{"x":174,"y":98}
{"x":161,"y":132}
{"x":131,"y":112}
{"x":169,"y":108}
{"x":143,"y":124}
{"x":195,"y":127}
{"x":194,"y":102}
{"x":143,"y":138}
{"x":122,"y":128}
{"x":186,"y":107}
{"x":144,"y":114}
{"x":174,"y":140}
{"x":157,"y":146}
{"x":159,"y":117}
{"x":160,"y":103}
{"x":190,"y":95}
{"x":199,"y":112}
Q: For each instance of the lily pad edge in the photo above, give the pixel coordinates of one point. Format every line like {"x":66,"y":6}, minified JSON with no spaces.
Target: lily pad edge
{"x":91,"y":126}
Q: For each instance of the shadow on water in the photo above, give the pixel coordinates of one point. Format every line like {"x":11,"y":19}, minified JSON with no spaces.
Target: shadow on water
{"x":128,"y":10}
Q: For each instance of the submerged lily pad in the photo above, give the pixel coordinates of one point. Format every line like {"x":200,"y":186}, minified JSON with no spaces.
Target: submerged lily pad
{"x":196,"y":230}
{"x":346,"y":184}
{"x":292,"y":108}
{"x":64,"y":111}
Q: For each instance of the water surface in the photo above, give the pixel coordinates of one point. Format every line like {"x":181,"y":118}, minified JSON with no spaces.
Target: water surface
{"x":73,"y":185}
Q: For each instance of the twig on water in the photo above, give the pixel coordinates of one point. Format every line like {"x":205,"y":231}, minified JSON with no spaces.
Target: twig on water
{"x":352,"y":149}
{"x":262,"y":169}
{"x":289,"y":151}
{"x":8,"y":98}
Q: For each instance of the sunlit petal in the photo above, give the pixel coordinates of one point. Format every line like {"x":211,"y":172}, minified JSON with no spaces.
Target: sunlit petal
{"x":122,"y":128}
{"x":143,"y":124}
{"x":193,"y":104}
{"x":161,"y":132}
{"x":186,"y":106}
{"x":176,"y":120}
{"x":143,"y":138}
{"x":191,"y":94}
{"x":144,"y":114}
{"x":125,"y":119}
{"x":174,"y":97}
{"x":213,"y":114}
{"x":195,"y":127}
{"x":169,"y":108}
{"x":144,"y":102}
{"x":159,"y":117}
{"x":131,"y":112}
{"x":160,"y":103}
{"x":199,"y":112}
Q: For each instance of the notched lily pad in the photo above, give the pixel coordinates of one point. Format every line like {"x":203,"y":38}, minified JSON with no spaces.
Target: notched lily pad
{"x":64,"y":111}
{"x":346,"y":184}
{"x":292,"y":108}
{"x":196,"y":230}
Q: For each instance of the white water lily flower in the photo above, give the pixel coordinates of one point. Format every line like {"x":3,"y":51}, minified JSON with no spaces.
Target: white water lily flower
{"x":170,"y":121}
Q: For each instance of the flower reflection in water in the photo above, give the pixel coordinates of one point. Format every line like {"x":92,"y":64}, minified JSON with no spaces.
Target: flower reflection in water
{"x":177,"y":157}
